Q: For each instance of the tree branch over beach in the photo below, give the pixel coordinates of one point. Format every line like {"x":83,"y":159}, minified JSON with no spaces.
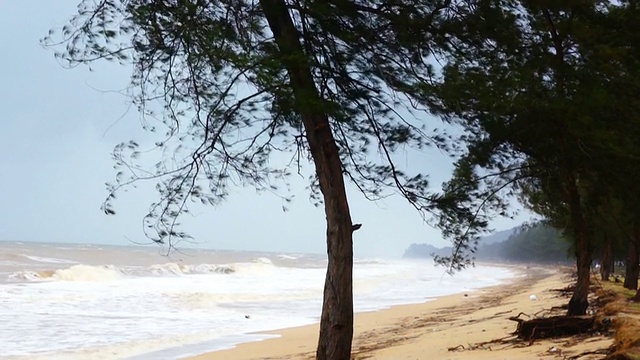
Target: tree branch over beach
{"x":234,"y":81}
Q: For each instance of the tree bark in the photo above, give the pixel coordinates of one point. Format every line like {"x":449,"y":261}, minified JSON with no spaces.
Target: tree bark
{"x":607,"y":259}
{"x":632,"y":268}
{"x":336,"y":323}
{"x":579,"y":303}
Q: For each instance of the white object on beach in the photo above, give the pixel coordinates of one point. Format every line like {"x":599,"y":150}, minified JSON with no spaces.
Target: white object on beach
{"x":533,"y":297}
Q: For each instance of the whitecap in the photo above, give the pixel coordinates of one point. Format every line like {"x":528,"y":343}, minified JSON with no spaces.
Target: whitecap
{"x":50,"y":260}
{"x":83,"y":272}
{"x":262,"y":260}
{"x":167,"y":269}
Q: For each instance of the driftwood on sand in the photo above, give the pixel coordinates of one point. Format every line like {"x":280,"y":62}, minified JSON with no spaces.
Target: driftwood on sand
{"x":542,"y":328}
{"x":538,"y":328}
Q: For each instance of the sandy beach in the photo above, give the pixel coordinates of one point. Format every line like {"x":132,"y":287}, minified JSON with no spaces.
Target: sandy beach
{"x":461,"y":326}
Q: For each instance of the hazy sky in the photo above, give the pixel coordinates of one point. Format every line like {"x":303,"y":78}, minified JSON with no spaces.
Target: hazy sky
{"x":57,"y":130}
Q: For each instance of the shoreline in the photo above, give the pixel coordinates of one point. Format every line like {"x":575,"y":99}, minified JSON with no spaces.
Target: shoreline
{"x":449,"y":327}
{"x":300,"y":342}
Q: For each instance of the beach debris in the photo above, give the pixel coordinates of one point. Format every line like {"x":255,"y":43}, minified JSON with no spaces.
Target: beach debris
{"x":555,"y":350}
{"x":555,"y":326}
{"x":533,"y":297}
{"x":503,"y":312}
{"x":456,"y":348}
{"x":468,"y":347}
{"x":486,"y":345}
{"x":606,"y":351}
{"x":565,"y":291}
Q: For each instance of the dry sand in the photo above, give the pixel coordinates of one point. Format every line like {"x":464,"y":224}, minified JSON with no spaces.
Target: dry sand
{"x":432,"y":330}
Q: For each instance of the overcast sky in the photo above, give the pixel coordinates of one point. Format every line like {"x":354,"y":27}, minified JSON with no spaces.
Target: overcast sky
{"x":57,"y":130}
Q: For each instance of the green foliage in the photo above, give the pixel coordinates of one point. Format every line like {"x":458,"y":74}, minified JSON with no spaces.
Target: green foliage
{"x":544,"y":91}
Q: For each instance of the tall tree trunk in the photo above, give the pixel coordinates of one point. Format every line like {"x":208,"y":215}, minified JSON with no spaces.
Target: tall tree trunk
{"x":336,"y":324}
{"x":579,"y":303}
{"x":632,"y":268}
{"x":579,"y":300}
{"x":607,"y":258}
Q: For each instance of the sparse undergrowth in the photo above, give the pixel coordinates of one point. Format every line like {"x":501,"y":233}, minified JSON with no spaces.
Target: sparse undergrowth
{"x":626,"y":314}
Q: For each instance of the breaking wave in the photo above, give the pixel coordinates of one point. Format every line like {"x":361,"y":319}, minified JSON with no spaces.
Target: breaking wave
{"x":181,"y":269}
{"x":49,"y":260}
{"x":102,"y":273}
{"x":78,"y":272}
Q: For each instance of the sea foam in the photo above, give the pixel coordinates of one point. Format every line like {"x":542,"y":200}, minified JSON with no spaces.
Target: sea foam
{"x":115,"y":304}
{"x":82,"y":272}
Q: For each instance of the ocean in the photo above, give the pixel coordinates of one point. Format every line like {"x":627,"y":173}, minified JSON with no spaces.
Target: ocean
{"x":63,"y":301}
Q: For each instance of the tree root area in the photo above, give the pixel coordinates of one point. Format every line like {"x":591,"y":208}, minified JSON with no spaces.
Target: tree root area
{"x":541,"y":328}
{"x":551,"y":327}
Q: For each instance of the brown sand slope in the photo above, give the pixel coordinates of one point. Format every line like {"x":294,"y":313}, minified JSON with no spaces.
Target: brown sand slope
{"x":452,"y":327}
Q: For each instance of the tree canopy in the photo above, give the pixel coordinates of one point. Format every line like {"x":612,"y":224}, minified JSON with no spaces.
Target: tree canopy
{"x":213,"y":74}
{"x":547,"y":93}
{"x":337,"y":83}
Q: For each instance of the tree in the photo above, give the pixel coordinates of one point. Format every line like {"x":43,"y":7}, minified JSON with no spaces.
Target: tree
{"x":234,"y":81}
{"x":613,"y":225}
{"x":542,"y":90}
{"x":608,"y":229}
{"x":633,"y":261}
{"x":632,"y":268}
{"x":606,"y":258}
